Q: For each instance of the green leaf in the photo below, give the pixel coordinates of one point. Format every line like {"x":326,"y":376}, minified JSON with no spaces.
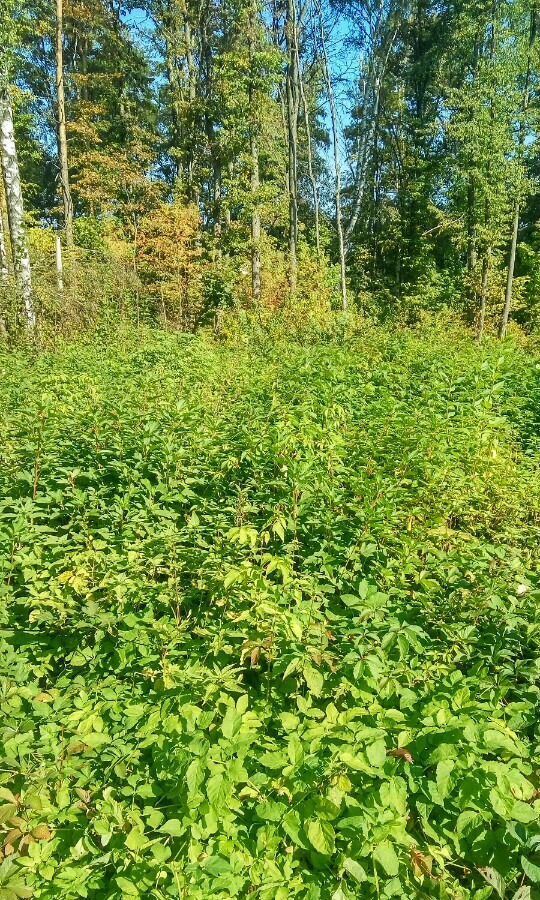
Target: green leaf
{"x":233,"y":576}
{"x":160,"y":852}
{"x":468,"y":821}
{"x":385,"y":855}
{"x":498,"y":741}
{"x":273,"y":760}
{"x":216,"y":865}
{"x":355,"y":761}
{"x":217,"y":790}
{"x":355,"y":869}
{"x":495,"y":879}
{"x":270,"y":810}
{"x":154,"y":817}
{"x":7,"y":811}
{"x":339,"y":894}
{"x":136,"y":839}
{"x":96,"y":739}
{"x":376,"y":753}
{"x":295,"y":750}
{"x":444,"y":775}
{"x":195,"y":775}
{"x":16,"y":889}
{"x":314,"y":680}
{"x":127,"y":887}
{"x":523,"y":812}
{"x":173,"y":827}
{"x":531,"y":870}
{"x":321,"y":836}
{"x":232,"y":723}
{"x":292,"y":827}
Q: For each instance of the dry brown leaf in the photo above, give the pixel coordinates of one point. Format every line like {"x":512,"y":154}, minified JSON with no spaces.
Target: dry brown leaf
{"x":422,"y":864}
{"x":13,"y":835}
{"x":42,"y":833}
{"x":402,"y":753}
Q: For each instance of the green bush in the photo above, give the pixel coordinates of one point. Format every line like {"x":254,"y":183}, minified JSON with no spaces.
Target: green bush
{"x":270,"y":622}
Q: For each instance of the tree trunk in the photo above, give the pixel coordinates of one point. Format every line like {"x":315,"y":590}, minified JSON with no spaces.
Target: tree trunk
{"x":4,"y":258}
{"x":192,"y":187}
{"x":255,"y":222}
{"x":311,"y":173}
{"x":371,"y":110}
{"x":217,"y":200}
{"x":61,"y":127}
{"x":483,"y":295}
{"x":175,"y":88}
{"x":4,"y":266}
{"x":15,"y":209}
{"x":291,"y":36}
{"x":337,"y":165}
{"x":59,"y":267}
{"x":471,"y":230}
{"x":517,"y":205}
{"x":227,"y":218}
{"x":84,"y":69}
{"x":510,"y":273}
{"x":254,"y":128}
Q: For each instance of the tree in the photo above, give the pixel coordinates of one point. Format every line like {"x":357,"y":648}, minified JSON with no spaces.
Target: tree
{"x":337,"y":159}
{"x":292,"y":94}
{"x":15,"y":206}
{"x":522,"y":135}
{"x":4,"y":257}
{"x":61,"y":126}
{"x":254,"y":129}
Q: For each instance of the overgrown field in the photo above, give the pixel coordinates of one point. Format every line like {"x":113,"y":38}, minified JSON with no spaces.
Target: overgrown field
{"x":270,"y":622}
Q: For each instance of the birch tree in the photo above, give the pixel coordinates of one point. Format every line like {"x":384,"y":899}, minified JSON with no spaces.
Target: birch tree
{"x":254,"y":153}
{"x":4,"y":257}
{"x":15,"y":207}
{"x":337,"y":158}
{"x":292,"y":107}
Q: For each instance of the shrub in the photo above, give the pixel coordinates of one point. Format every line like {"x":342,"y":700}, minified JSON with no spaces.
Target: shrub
{"x":169,"y":262}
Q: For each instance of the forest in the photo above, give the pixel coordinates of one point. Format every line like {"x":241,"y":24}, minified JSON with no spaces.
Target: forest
{"x":371,"y":155}
{"x":270,"y":449}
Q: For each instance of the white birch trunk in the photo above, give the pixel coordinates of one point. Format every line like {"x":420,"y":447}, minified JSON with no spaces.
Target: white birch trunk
{"x":15,"y":209}
{"x":4,"y":259}
{"x":59,"y":266}
{"x":337,"y":162}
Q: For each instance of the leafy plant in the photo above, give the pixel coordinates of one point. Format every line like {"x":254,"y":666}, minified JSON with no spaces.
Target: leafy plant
{"x":269,"y":621}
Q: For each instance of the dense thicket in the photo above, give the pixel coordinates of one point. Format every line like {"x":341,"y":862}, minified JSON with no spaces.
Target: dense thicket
{"x":269,"y":620}
{"x":373,"y":153}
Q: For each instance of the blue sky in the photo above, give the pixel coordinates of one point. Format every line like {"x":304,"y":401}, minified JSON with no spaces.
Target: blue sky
{"x":343,"y":61}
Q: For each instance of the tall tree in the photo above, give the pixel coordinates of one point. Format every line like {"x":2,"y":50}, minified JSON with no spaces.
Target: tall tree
{"x":4,"y":256}
{"x":337,"y":158}
{"x":15,"y":206}
{"x":254,"y":130}
{"x":61,"y":126}
{"x":533,"y":29}
{"x":292,"y":94}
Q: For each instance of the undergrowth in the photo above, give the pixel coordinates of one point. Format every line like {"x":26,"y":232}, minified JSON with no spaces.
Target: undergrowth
{"x":270,"y":622}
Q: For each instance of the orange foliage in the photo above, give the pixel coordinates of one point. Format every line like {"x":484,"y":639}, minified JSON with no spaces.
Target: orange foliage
{"x":169,"y":262}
